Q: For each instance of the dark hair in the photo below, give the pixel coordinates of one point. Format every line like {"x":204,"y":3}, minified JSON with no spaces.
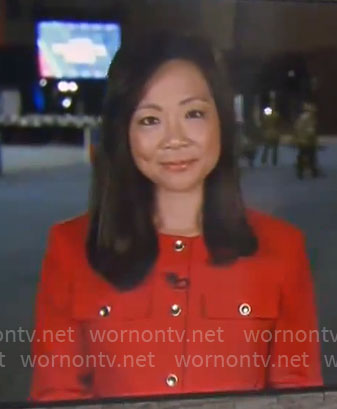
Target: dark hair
{"x":122,"y":241}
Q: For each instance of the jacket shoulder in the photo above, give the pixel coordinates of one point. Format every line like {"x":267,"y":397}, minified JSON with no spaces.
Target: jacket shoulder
{"x":67,"y":239}
{"x":273,"y":231}
{"x":74,"y":227}
{"x":64,"y":254}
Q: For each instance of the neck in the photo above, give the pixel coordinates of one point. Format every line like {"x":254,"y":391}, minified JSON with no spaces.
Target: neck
{"x":179,"y":213}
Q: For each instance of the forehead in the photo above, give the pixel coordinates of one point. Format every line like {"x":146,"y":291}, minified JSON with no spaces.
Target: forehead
{"x":176,"y":78}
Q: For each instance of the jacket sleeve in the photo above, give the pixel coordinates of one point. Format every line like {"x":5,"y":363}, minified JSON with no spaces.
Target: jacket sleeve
{"x":57,"y":337}
{"x":295,"y":350}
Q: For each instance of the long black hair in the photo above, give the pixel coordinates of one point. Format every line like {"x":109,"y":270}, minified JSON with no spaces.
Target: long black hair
{"x":122,"y":242}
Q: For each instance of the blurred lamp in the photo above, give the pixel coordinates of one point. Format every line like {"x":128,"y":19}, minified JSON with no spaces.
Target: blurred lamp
{"x":63,"y":86}
{"x":66,"y":102}
{"x":72,"y":86}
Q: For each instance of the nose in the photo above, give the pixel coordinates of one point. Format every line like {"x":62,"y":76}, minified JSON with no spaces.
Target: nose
{"x":174,"y":136}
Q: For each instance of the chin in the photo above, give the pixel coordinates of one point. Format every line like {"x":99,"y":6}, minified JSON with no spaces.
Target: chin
{"x":180,"y":185}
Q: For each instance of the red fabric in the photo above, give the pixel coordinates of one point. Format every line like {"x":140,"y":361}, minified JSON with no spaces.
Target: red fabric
{"x":276,"y":283}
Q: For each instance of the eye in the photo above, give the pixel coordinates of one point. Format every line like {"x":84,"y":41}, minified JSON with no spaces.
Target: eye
{"x":195,"y":113}
{"x":148,"y":121}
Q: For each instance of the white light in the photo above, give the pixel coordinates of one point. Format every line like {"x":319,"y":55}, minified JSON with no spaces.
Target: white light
{"x":268,"y":111}
{"x":73,"y":87}
{"x":291,"y":73}
{"x":63,"y":86}
{"x":43,"y":82}
{"x":66,"y":102}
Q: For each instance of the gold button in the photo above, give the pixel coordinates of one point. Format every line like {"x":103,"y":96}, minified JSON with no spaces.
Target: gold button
{"x":172,"y":380}
{"x":179,"y":245}
{"x":245,"y":309}
{"x":105,"y":311}
{"x":175,"y":310}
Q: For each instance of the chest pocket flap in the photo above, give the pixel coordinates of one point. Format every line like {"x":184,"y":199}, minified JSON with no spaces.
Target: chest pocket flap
{"x":240,"y":304}
{"x":105,"y":302}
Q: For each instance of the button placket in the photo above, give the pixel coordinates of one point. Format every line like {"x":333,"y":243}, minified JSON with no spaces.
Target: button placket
{"x":175,"y":281}
{"x":175,"y":309}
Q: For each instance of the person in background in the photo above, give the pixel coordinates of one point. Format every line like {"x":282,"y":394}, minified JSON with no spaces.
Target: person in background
{"x":271,"y":134}
{"x":306,"y":140}
{"x":247,"y":147}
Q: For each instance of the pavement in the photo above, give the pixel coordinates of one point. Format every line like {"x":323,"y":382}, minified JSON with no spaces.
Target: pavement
{"x":17,"y":159}
{"x":32,"y":198}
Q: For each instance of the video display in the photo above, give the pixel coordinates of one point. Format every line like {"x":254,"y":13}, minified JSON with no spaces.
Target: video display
{"x":76,"y":49}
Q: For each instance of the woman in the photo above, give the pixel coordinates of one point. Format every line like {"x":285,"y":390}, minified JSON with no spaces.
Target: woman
{"x":168,"y":269}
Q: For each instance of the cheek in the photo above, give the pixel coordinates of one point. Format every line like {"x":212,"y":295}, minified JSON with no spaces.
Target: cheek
{"x":143,"y":147}
{"x":211,"y":144}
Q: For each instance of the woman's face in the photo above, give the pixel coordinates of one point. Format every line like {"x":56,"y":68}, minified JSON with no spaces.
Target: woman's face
{"x":175,"y":130}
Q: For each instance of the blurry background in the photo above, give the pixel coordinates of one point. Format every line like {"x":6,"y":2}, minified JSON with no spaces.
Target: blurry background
{"x":280,"y":54}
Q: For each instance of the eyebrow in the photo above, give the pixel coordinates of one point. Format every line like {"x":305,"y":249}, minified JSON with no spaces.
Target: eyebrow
{"x":183,"y":102}
{"x":187,"y":100}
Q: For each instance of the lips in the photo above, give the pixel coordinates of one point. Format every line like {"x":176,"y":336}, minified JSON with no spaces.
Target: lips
{"x":179,"y":166}
{"x":179,"y":162}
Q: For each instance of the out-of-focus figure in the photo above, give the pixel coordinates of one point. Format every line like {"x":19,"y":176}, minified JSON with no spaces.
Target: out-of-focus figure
{"x":271,"y":134}
{"x":306,"y":140}
{"x":247,"y":146}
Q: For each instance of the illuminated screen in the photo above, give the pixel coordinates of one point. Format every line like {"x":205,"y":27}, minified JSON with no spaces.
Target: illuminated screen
{"x":76,"y":50}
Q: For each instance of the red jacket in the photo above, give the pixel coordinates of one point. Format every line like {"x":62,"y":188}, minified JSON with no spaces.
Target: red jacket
{"x":201,"y":313}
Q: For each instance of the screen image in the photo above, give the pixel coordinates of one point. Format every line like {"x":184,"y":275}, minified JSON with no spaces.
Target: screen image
{"x":76,"y":50}
{"x":168,"y":229}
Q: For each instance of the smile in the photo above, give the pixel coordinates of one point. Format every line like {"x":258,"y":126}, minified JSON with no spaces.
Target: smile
{"x":178,"y":166}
